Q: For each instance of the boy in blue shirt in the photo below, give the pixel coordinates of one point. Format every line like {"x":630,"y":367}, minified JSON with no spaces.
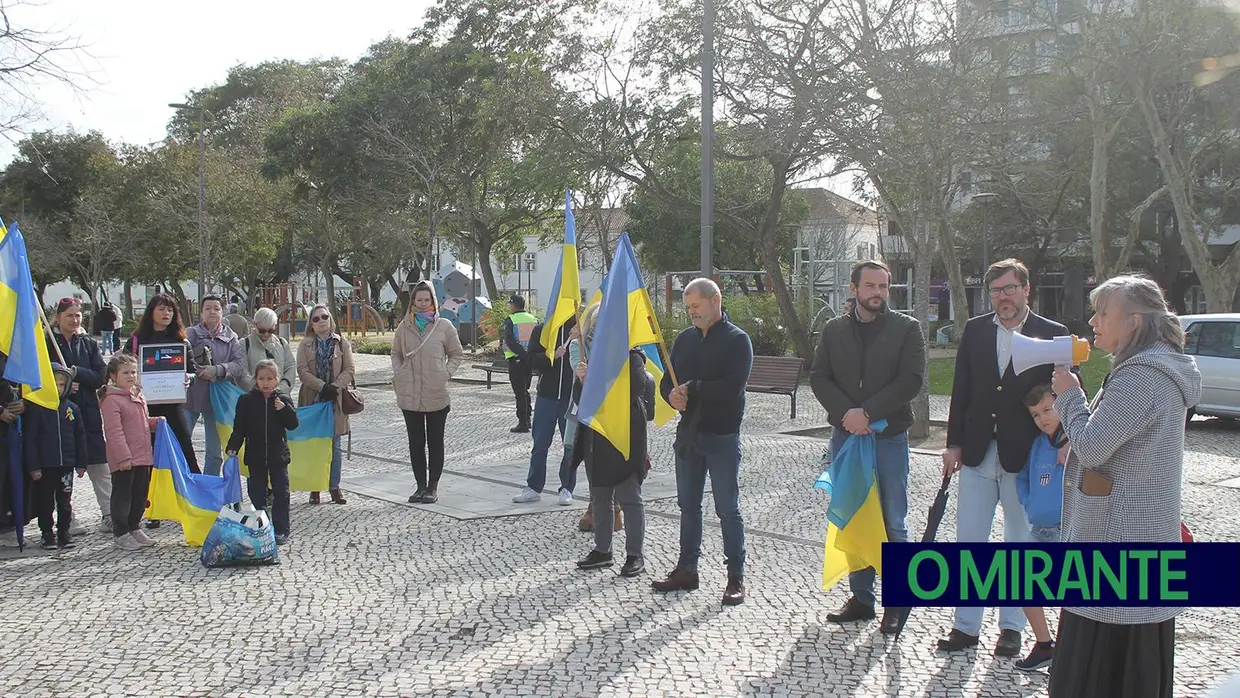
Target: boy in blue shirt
{"x":1040,"y":488}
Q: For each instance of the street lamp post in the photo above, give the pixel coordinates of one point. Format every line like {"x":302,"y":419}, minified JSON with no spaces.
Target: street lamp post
{"x":202,"y":196}
{"x":708,"y":136}
{"x":985,"y":198}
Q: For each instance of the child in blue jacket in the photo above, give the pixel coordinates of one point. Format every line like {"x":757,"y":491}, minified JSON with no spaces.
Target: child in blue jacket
{"x":54,"y":445}
{"x":1040,"y":488}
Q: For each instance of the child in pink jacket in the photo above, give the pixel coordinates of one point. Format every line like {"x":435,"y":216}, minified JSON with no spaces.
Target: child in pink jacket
{"x":127,"y":428}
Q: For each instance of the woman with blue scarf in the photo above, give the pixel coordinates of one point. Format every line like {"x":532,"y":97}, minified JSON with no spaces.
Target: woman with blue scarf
{"x":426,"y":352}
{"x":325,"y":367}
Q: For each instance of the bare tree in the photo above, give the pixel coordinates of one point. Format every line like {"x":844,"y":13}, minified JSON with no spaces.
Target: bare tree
{"x":31,"y":59}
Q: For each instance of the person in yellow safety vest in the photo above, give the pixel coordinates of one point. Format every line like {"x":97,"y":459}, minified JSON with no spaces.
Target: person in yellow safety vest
{"x":517,"y":330}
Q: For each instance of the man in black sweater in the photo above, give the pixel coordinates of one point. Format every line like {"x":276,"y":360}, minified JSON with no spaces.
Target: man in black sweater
{"x":555,"y":388}
{"x":712,"y":360}
{"x":868,"y":368}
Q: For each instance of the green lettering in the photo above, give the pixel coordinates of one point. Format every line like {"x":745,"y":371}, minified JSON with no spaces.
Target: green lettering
{"x":1143,"y":558}
{"x":1166,"y":575}
{"x":1037,"y":577}
{"x":970,"y":576}
{"x":944,"y":575}
{"x":1015,"y":591}
{"x":1102,"y":568}
{"x":1073,"y":576}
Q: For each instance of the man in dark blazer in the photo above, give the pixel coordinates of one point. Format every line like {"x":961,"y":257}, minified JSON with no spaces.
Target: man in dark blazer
{"x":990,"y":434}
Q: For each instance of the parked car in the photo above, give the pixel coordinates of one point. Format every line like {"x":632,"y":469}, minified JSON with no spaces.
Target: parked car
{"x":1214,"y":341}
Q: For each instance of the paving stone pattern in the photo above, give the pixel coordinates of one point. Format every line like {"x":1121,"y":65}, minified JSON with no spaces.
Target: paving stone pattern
{"x":378,"y":598}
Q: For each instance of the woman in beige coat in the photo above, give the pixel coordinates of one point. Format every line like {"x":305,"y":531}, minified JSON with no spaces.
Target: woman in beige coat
{"x":325,"y":367}
{"x":425,"y":353}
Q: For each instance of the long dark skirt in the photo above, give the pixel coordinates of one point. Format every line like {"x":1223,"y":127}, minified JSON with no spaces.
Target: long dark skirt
{"x":1104,"y":660}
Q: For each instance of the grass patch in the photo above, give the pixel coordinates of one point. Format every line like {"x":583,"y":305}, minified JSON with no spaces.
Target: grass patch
{"x":372,"y":346}
{"x":943,"y":371}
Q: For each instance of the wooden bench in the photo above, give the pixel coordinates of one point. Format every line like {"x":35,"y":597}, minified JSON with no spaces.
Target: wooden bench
{"x":497,"y":366}
{"x":776,"y":375}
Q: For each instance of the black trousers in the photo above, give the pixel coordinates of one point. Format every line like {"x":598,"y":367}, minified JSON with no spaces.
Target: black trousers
{"x":520,"y":376}
{"x":129,"y":494}
{"x":425,"y":431}
{"x":180,"y":429}
{"x":277,"y":473}
{"x":54,"y":495}
{"x":1107,"y":660}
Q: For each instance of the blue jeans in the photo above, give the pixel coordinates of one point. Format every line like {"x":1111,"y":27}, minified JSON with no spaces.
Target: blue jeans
{"x":547,"y":413}
{"x":1045,"y":534}
{"x":214,"y":459}
{"x":334,"y":478}
{"x":719,"y":456}
{"x":981,"y":489}
{"x":891,"y":457}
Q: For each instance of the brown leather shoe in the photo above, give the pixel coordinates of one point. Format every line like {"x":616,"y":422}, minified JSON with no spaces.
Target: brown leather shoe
{"x":586,"y":524}
{"x":734,"y":594}
{"x":678,"y":580}
{"x":619,"y":519}
{"x":338,"y":497}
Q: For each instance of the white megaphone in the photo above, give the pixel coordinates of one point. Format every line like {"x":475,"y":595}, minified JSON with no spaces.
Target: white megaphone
{"x":1028,"y":352}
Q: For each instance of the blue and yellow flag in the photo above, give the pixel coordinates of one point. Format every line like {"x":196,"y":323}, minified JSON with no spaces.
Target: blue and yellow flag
{"x":856,"y":530}
{"x":309,"y":445}
{"x":644,"y":329}
{"x":193,"y":499}
{"x":566,"y":291}
{"x":22,"y":335}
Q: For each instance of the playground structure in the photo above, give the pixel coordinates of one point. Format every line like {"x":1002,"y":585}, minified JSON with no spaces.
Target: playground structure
{"x":290,"y":301}
{"x":359,"y":315}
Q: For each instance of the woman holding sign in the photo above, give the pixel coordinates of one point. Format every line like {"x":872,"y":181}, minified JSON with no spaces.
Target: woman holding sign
{"x":161,"y":324}
{"x":1122,"y":485}
{"x":325,"y":367}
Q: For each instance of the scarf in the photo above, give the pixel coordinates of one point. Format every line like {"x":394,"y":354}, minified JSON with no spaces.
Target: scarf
{"x":423,"y":319}
{"x":323,"y":358}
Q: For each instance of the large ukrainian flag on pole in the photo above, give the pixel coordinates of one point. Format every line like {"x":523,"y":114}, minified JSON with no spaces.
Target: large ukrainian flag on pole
{"x":22,"y":333}
{"x":193,"y":499}
{"x":309,"y":445}
{"x":855,"y":527}
{"x":566,"y":291}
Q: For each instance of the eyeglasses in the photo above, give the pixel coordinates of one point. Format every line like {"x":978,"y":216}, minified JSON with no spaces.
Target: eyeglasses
{"x":318,"y":318}
{"x":1009,"y":290}
{"x":264,"y":330}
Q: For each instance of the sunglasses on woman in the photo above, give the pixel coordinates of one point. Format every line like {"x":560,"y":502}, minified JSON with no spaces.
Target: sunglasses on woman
{"x":318,"y":318}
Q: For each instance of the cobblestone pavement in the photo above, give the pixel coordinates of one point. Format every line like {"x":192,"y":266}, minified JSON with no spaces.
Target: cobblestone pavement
{"x":378,"y":599}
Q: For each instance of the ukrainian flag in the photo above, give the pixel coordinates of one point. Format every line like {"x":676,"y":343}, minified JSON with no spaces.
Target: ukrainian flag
{"x":21,"y":324}
{"x":644,"y":330}
{"x":855,"y":527}
{"x":193,"y":499}
{"x":566,"y":291}
{"x":309,"y":445}
{"x":605,"y":396}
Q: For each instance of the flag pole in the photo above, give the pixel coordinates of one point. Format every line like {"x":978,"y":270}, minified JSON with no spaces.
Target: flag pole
{"x":47,"y":327}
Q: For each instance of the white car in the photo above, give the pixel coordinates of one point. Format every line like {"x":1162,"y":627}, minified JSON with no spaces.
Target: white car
{"x":1214,"y":341}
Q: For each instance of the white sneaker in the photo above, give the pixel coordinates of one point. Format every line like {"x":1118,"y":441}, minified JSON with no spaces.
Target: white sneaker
{"x":566,"y":498}
{"x":142,"y":539}
{"x":527,"y":496}
{"x":106,"y":525}
{"x":76,"y":529}
{"x":126,"y":543}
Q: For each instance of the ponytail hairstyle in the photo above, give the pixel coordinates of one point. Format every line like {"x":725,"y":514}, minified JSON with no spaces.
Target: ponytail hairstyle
{"x":115,"y":364}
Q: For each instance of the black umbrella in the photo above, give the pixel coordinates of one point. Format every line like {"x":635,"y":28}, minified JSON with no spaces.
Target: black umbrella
{"x":932,"y":529}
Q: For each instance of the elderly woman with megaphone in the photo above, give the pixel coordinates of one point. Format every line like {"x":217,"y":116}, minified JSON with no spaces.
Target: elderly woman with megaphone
{"x":1122,"y":484}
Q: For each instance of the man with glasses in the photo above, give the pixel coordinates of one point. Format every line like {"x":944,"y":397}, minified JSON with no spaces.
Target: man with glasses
{"x":990,"y":434}
{"x":264,"y":343}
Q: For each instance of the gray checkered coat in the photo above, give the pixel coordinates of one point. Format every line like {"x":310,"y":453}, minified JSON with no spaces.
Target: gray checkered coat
{"x":1134,"y":434}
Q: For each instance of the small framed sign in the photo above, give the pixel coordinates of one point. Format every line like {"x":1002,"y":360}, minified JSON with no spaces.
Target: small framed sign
{"x":161,"y":373}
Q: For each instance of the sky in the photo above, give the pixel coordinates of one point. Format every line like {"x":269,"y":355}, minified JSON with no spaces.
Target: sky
{"x":143,"y":54}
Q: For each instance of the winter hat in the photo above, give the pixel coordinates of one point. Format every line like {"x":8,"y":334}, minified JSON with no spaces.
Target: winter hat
{"x":68,"y":373}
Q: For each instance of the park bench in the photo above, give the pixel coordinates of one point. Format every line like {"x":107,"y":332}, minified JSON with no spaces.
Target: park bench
{"x":776,"y":375}
{"x":497,"y":366}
